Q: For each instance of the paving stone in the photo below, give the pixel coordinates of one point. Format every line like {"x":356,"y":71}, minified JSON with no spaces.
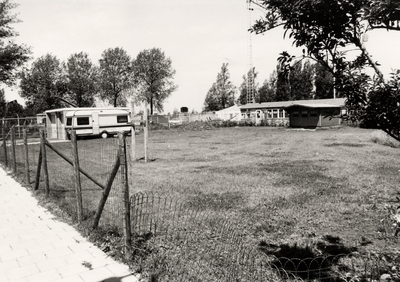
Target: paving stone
{"x":79,"y":257}
{"x":74,"y":278}
{"x":96,"y":275}
{"x":13,"y":254}
{"x":72,"y":269}
{"x":31,"y":259}
{"x":50,"y":264}
{"x":22,"y":272}
{"x":34,"y":246}
{"x":9,"y":265}
{"x":47,"y":276}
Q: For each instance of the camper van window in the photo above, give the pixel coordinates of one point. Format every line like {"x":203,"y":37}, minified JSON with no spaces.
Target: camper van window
{"x":82,"y":120}
{"x":122,"y":119}
{"x":69,"y":121}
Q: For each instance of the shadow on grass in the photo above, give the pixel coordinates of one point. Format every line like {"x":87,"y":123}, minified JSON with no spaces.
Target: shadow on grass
{"x":345,"y":145}
{"x":308,"y":262}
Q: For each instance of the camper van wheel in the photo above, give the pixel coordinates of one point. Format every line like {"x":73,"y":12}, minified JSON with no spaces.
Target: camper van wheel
{"x":104,"y":135}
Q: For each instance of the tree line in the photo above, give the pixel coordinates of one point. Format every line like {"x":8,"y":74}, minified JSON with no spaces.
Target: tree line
{"x":116,"y":79}
{"x":49,"y":83}
{"x":304,"y":81}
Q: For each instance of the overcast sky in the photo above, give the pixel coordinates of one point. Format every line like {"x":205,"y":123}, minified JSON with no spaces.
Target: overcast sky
{"x":198,"y":35}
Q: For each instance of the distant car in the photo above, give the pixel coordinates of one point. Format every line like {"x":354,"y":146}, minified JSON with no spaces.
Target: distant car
{"x":175,"y":121}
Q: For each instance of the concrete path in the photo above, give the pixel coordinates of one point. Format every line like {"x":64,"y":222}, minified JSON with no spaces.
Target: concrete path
{"x":34,"y":246}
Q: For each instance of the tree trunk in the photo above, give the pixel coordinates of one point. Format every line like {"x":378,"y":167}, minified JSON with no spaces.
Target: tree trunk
{"x":151,"y":106}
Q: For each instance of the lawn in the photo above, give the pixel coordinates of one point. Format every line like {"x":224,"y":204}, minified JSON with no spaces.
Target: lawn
{"x":279,"y":185}
{"x":275,"y":187}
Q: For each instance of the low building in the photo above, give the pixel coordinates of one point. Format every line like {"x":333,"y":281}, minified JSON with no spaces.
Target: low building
{"x":307,"y":114}
{"x":232,"y":113}
{"x":269,"y":113}
{"x":299,"y":113}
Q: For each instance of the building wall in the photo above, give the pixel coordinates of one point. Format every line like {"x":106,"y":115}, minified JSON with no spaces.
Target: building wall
{"x":314,"y":117}
{"x":270,"y":117}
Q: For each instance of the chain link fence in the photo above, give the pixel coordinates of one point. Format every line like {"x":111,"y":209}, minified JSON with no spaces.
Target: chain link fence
{"x":175,"y":242}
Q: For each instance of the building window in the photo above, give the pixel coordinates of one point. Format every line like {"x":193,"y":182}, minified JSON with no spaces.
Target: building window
{"x":313,"y":113}
{"x":122,"y":119}
{"x":69,"y":121}
{"x":295,"y":114}
{"x":282,"y":113}
{"x":269,"y":114}
{"x":304,"y":114}
{"x":82,"y":121}
{"x":274,"y":113}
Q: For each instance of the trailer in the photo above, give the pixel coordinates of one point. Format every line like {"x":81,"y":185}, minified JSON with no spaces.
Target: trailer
{"x":102,"y":122}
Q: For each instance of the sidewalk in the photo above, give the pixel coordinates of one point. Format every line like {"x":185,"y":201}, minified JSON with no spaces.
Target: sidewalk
{"x":34,"y":246}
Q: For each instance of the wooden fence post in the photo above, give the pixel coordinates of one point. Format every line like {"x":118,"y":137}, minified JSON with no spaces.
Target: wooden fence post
{"x":38,"y":168}
{"x":145,"y":131}
{"x":14,"y":157}
{"x":126,"y":221}
{"x":25,"y":136}
{"x":44,"y":161}
{"x":77,"y":177}
{"x":133,"y":144}
{"x":3,"y":132}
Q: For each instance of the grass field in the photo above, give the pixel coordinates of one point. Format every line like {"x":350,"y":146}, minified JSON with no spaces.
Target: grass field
{"x":277,"y":186}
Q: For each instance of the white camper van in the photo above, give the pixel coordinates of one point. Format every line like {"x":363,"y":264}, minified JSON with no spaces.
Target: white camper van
{"x":98,"y":121}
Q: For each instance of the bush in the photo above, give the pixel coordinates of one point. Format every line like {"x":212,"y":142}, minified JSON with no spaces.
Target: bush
{"x":383,"y":138}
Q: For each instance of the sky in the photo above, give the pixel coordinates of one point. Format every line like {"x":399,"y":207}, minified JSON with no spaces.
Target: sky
{"x":197,"y":35}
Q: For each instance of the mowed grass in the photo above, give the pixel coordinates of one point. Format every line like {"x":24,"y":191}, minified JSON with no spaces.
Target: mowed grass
{"x":277,"y":185}
{"x":274,"y":185}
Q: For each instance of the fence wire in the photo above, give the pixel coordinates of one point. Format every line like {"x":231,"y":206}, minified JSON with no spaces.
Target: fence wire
{"x":175,"y":242}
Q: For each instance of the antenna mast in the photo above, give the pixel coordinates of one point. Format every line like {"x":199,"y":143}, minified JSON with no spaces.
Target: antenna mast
{"x":250,"y":74}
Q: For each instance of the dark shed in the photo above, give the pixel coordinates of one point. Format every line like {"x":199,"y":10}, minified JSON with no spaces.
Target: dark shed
{"x":315,"y":114}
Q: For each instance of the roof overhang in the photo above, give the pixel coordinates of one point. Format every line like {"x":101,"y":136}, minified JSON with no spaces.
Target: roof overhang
{"x":318,"y":103}
{"x":313,"y":106}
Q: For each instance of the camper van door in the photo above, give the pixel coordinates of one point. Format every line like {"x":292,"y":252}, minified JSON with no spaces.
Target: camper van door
{"x":95,"y":123}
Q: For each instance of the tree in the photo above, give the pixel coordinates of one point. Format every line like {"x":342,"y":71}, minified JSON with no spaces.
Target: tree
{"x":43,"y":84}
{"x":115,"y":76}
{"x":81,"y":80}
{"x":242,"y":100}
{"x":323,"y":82}
{"x":323,"y":27}
{"x":267,"y":92}
{"x":153,"y":77}
{"x":2,"y":103}
{"x":222,"y":93}
{"x":302,"y":80}
{"x":12,"y":55}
